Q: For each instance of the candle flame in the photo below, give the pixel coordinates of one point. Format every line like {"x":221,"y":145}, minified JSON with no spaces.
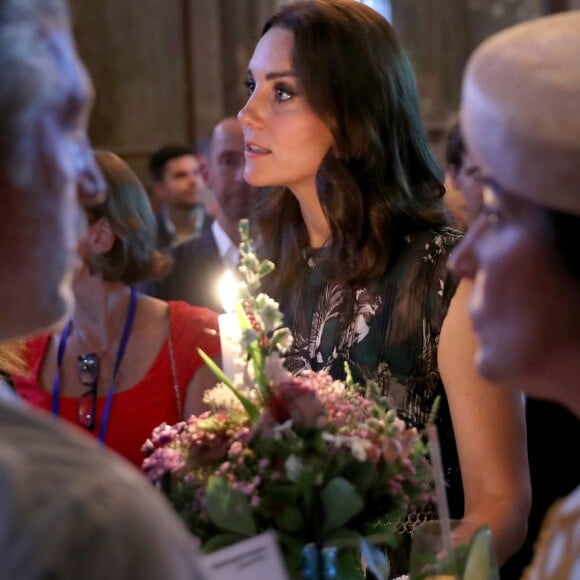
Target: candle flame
{"x":227,"y":291}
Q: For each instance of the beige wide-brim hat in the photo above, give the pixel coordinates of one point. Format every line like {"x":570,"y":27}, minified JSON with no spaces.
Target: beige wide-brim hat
{"x":520,"y":111}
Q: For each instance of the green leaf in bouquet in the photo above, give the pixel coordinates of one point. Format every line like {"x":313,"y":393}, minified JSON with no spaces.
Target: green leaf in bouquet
{"x":222,"y":541}
{"x":349,"y":565}
{"x":229,"y":509}
{"x":349,"y":382}
{"x":282,"y":492}
{"x":250,"y":408}
{"x":291,"y":547}
{"x":290,"y":519}
{"x":362,"y":475}
{"x":480,"y":561}
{"x":308,"y":485}
{"x":343,"y":538}
{"x":341,"y":502}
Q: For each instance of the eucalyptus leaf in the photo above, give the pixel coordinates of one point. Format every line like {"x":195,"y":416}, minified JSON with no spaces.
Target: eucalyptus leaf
{"x":229,"y":509}
{"x":290,"y":519}
{"x":341,"y":503}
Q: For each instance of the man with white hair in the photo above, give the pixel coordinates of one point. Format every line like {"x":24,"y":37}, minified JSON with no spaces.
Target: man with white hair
{"x":521,"y":121}
{"x":69,"y":509}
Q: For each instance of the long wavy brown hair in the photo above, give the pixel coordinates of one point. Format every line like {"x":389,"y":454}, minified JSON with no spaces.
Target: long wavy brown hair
{"x":380,"y":181}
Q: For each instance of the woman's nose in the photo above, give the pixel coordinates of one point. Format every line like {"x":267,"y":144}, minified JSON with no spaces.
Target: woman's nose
{"x":249,"y":115}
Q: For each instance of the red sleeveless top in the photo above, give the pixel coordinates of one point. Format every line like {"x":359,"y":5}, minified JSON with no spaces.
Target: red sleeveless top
{"x":136,"y":411}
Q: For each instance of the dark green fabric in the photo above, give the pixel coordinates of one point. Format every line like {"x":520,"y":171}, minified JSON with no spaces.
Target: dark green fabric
{"x":388,"y":332}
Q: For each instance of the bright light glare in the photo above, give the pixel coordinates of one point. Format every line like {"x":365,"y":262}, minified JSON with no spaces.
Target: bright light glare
{"x":227,"y":291}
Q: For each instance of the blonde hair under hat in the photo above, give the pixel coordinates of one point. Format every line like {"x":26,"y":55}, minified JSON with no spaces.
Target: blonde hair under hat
{"x":521,"y":110}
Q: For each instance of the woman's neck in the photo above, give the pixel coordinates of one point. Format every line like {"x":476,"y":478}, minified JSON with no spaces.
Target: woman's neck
{"x":100,"y":310}
{"x":315,"y":221}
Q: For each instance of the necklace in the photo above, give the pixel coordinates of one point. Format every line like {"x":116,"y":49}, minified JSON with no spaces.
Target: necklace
{"x":120,"y":353}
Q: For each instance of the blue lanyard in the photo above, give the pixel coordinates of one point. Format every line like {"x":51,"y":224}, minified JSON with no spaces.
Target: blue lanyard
{"x":120,"y":353}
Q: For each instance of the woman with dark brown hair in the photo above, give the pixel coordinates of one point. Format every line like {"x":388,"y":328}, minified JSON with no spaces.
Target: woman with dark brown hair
{"x":359,"y":236}
{"x":124,"y":362}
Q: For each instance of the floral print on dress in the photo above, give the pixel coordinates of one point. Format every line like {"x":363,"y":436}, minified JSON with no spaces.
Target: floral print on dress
{"x":387,"y":330}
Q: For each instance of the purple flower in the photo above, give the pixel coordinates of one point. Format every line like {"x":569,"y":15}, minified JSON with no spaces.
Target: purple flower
{"x":163,"y":460}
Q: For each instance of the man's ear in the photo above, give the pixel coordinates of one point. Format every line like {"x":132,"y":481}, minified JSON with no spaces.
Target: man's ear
{"x":204,"y":168}
{"x":101,"y":236}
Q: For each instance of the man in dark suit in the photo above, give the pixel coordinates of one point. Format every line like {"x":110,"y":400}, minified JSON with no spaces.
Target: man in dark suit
{"x":200,"y":262}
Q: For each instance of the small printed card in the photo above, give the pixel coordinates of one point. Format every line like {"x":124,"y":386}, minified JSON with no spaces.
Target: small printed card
{"x":256,"y":558}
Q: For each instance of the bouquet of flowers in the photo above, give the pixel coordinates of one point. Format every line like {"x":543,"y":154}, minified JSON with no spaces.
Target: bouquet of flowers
{"x":316,"y":460}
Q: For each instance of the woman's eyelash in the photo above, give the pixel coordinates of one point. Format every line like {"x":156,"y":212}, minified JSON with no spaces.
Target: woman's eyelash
{"x":284,"y":92}
{"x":250,"y":86}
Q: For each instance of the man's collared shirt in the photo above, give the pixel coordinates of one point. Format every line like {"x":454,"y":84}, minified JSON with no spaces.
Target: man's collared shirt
{"x":228,"y":251}
{"x":167,"y":234}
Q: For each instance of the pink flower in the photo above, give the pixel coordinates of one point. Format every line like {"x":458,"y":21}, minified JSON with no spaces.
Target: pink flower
{"x":297,"y":401}
{"x":210,"y":448}
{"x":235,"y":449}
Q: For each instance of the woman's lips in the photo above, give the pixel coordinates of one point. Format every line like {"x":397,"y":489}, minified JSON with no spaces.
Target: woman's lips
{"x":254,"y":150}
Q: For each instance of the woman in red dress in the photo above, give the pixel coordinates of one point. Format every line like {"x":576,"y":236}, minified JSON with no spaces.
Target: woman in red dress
{"x":124,"y":362}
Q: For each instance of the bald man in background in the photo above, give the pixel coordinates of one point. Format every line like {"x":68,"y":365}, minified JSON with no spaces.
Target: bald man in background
{"x":200,"y":263}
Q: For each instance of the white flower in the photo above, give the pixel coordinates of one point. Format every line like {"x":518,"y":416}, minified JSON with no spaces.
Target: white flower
{"x":221,"y":397}
{"x":358,"y":448}
{"x":269,"y":312}
{"x":293,"y":467}
{"x":337,"y":440}
{"x":279,"y":430}
{"x":283,"y":339}
{"x":275,"y":369}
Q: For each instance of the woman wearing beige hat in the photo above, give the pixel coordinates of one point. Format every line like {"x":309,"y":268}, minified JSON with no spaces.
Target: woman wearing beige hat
{"x":521,"y":118}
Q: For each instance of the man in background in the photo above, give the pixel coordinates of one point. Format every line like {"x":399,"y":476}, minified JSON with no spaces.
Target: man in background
{"x":462,"y":187}
{"x":178,"y":184}
{"x":68,"y":508}
{"x":202,"y":146}
{"x":200,"y":262}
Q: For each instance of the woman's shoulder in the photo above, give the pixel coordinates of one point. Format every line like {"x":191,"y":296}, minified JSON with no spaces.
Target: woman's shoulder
{"x":185,"y":313}
{"x":35,"y":348}
{"x":194,"y":326}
